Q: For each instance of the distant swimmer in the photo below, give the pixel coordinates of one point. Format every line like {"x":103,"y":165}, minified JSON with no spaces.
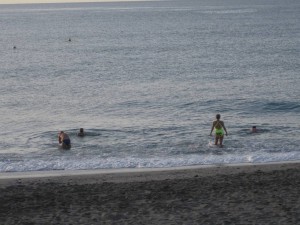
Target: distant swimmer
{"x":70,"y":40}
{"x":253,"y":129}
{"x":64,"y":140}
{"x":219,"y":127}
{"x":15,"y":47}
{"x":81,"y":133}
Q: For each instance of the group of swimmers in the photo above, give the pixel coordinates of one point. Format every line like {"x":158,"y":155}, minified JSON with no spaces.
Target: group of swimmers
{"x":64,"y":139}
{"x":218,"y":125}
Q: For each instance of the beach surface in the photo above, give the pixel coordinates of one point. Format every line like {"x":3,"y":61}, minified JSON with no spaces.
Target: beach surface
{"x":218,"y":194}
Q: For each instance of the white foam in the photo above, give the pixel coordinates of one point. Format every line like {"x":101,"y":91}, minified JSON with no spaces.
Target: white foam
{"x":96,"y":162}
{"x":37,"y":174}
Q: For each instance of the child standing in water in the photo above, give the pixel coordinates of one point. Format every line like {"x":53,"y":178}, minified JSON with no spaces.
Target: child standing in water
{"x":219,"y":127}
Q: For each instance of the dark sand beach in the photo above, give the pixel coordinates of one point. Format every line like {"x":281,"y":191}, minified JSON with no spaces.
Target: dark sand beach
{"x":236,"y":194}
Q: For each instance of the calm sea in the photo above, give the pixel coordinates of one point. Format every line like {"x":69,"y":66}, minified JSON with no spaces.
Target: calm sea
{"x":145,"y":80}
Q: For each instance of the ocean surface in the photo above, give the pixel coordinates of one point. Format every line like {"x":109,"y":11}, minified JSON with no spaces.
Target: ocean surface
{"x":145,"y":80}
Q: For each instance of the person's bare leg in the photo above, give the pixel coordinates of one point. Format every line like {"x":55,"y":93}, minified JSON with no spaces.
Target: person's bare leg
{"x":216,"y":140}
{"x":221,"y":141}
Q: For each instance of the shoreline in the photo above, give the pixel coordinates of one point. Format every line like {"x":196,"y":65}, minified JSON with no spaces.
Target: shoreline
{"x":216,"y":194}
{"x":213,"y":168}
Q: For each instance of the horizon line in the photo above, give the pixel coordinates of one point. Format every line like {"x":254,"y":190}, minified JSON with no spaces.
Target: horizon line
{"x":69,"y":1}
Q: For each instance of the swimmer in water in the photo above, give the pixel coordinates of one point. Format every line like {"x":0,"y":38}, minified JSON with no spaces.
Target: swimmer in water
{"x":254,"y":130}
{"x":81,"y":133}
{"x":219,"y":127}
{"x":64,"y":140}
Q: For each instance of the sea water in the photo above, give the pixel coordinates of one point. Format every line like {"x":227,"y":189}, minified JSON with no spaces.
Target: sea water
{"x":145,"y":80}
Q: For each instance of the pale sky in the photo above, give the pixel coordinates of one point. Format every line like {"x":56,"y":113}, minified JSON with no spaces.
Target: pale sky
{"x":56,"y":1}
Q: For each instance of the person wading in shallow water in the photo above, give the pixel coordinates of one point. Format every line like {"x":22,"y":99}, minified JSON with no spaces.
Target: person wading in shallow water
{"x":81,"y":133}
{"x":219,"y":127}
{"x":253,"y":129}
{"x":64,"y":140}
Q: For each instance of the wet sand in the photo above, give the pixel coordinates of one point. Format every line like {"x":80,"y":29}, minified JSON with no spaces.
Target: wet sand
{"x":235,"y":194}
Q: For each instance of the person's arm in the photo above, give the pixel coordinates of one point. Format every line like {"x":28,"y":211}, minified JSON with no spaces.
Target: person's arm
{"x":59,"y":139}
{"x":212,"y":128}
{"x":224,"y":128}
